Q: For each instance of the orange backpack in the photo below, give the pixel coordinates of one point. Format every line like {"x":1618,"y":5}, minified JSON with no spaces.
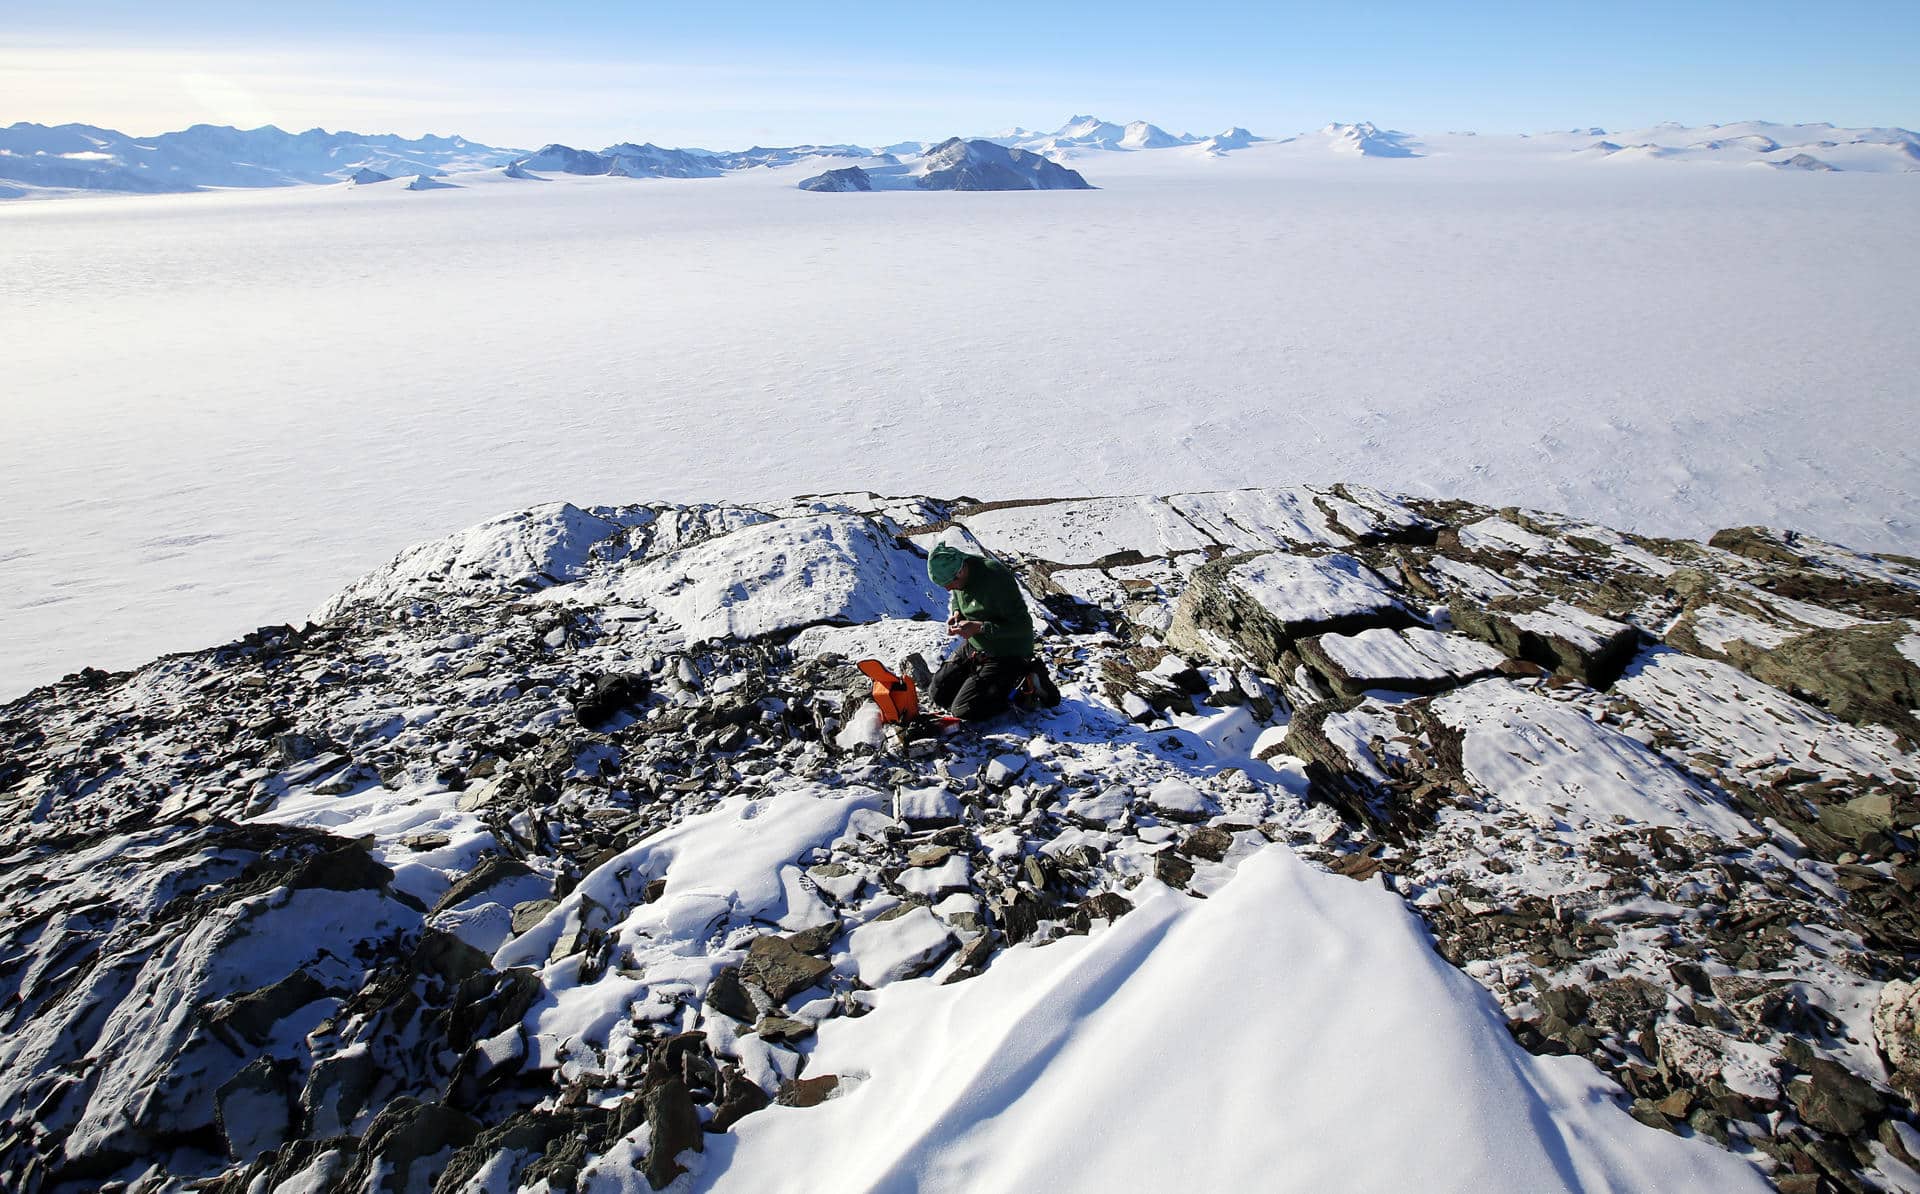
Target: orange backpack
{"x":897,"y":697}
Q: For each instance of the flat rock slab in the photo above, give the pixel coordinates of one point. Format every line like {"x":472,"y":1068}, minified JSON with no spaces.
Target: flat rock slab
{"x":1411,"y":660}
{"x":923,"y":808}
{"x":779,"y":969}
{"x":1552,"y":760}
{"x":889,"y":950}
{"x":1554,"y":635}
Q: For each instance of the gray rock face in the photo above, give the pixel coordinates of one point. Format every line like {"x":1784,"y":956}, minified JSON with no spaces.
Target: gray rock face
{"x":956,"y":165}
{"x":847,"y":178}
{"x":1805,"y":161}
{"x":776,"y":967}
{"x":565,"y":159}
{"x":1557,"y":636}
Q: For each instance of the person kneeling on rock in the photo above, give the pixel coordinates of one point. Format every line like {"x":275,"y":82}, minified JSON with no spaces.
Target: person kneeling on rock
{"x":980,"y":679}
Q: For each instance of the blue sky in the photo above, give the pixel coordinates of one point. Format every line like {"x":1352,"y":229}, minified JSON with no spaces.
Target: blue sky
{"x":777,"y":73}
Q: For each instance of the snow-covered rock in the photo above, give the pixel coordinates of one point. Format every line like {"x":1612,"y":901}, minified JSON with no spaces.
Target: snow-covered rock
{"x":778,"y":576}
{"x":1368,"y":140}
{"x":84,"y":158}
{"x":957,"y":165}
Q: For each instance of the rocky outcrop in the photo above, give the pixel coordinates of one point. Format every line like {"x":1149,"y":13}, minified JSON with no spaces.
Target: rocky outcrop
{"x":847,"y":178}
{"x":956,"y":165}
{"x":1262,"y":604}
{"x":1559,"y":637}
{"x":548,"y":848}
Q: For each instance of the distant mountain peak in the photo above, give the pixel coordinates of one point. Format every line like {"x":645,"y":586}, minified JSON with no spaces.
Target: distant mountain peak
{"x":1366,"y":139}
{"x":980,"y":165}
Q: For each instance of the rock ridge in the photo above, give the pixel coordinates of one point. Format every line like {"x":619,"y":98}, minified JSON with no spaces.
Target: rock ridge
{"x":547,"y":848}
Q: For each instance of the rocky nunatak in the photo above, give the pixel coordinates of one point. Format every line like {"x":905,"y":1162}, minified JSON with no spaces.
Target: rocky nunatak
{"x":309,"y":909}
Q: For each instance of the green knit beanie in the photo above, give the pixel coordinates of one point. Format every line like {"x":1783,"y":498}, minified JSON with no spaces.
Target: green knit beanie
{"x":944,"y":563}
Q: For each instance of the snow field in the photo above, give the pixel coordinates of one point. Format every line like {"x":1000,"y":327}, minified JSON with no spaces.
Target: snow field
{"x":985,"y":1086}
{"x":222,"y":406}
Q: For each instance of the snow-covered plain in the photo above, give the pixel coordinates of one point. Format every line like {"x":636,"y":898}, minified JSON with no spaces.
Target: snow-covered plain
{"x":220,"y":407}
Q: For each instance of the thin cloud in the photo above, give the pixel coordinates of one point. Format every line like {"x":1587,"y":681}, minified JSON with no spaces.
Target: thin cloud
{"x":494,"y":93}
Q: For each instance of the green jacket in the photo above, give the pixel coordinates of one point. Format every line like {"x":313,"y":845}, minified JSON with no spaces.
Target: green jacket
{"x":992,"y":596}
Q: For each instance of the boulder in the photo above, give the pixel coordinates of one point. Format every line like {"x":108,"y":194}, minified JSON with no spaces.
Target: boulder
{"x":926,"y":808}
{"x":336,"y":1092}
{"x":493,"y":869}
{"x":1553,"y":634}
{"x":1896,"y":1030}
{"x":906,"y":945}
{"x":1835,"y":1099}
{"x":1411,"y":660}
{"x":775,"y":966}
{"x":1859,"y":674}
{"x":728,"y":996}
{"x":807,"y":1092}
{"x":674,"y":1127}
{"x":1261,"y":603}
{"x":406,"y":1146}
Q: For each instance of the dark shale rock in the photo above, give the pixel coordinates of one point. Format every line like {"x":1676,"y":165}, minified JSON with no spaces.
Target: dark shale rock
{"x":529,"y":913}
{"x":675,"y":1128}
{"x":1834,"y":1099}
{"x":447,"y":956}
{"x":727,"y":996}
{"x":1108,"y":906}
{"x":739,"y":1098}
{"x":815,"y":940}
{"x":779,"y":969}
{"x":1207,"y":843}
{"x":782,"y":1030}
{"x":606,"y":695}
{"x":525,"y":1135}
{"x":254,"y":1014}
{"x":336,"y":1092}
{"x":404,"y":1139}
{"x":807,"y":1092}
{"x":349,"y":868}
{"x":493,"y":869}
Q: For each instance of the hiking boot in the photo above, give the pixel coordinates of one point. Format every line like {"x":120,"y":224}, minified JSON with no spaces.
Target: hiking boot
{"x":1045,"y":693}
{"x":916,"y":667}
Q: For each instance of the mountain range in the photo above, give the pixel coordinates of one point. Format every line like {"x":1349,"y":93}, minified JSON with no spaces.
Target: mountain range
{"x":38,"y":160}
{"x":84,"y":158}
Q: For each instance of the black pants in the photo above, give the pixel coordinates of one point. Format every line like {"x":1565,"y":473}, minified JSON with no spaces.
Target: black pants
{"x":974,"y":686}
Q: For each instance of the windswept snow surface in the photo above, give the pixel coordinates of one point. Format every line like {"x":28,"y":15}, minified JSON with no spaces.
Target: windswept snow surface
{"x":221,"y":407}
{"x":1294,"y":1032}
